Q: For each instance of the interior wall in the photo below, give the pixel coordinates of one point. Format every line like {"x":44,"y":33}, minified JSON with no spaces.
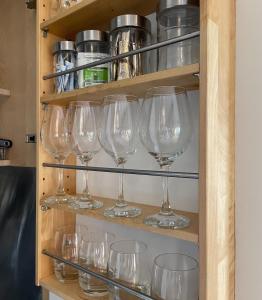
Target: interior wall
{"x":18,"y":73}
{"x":248,"y":151}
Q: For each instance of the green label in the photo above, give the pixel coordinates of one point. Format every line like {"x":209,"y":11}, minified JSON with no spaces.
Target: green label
{"x":96,"y":75}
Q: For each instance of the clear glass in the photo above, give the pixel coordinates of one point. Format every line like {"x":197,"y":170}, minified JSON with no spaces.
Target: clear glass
{"x":128,"y":263}
{"x":94,"y":254}
{"x":174,"y":277}
{"x":65,"y":4}
{"x":174,"y":22}
{"x":166,"y":131}
{"x":63,"y":61}
{"x":66,"y":245}
{"x":123,"y":40}
{"x":55,"y":140}
{"x":83,"y":122}
{"x":88,"y":52}
{"x":118,"y":137}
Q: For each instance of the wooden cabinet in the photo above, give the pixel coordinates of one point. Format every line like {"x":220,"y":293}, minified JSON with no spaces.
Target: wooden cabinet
{"x":213,"y":228}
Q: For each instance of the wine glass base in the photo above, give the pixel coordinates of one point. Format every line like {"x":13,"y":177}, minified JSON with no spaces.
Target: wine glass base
{"x":126,"y":211}
{"x":84,"y":203}
{"x":57,"y":199}
{"x":169,"y":222}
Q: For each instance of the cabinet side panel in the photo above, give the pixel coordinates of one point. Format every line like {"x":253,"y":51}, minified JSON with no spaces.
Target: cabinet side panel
{"x":47,"y":222}
{"x":217,"y":213}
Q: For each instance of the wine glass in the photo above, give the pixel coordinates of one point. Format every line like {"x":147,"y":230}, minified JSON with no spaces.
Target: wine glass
{"x":94,"y":254}
{"x":174,"y":277}
{"x":55,"y":140}
{"x":128,"y":263}
{"x":83,"y":131}
{"x":118,"y":137}
{"x":165,"y":132}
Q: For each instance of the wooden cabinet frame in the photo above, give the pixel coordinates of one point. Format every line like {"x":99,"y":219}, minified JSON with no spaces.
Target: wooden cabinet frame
{"x":217,"y":93}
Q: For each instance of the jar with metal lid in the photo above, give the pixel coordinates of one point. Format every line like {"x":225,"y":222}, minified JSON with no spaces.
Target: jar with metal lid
{"x":129,"y":32}
{"x":64,"y":59}
{"x":176,"y":18}
{"x":92,"y":45}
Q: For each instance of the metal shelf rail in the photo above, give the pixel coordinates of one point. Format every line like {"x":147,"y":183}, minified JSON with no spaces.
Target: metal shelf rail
{"x":127,"y":54}
{"x":103,"y":277}
{"x":185,"y":175}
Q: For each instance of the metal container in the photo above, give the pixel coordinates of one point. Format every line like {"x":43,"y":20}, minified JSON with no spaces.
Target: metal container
{"x":64,"y":59}
{"x":176,"y":18}
{"x":129,"y":32}
{"x":92,"y":45}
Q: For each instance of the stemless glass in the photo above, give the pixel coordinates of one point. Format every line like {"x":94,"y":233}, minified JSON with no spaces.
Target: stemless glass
{"x":55,"y":140}
{"x":128,"y":263}
{"x":174,"y":277}
{"x":165,"y":132}
{"x":83,"y":131}
{"x":94,"y":254}
{"x":118,"y":137}
{"x":67,"y":246}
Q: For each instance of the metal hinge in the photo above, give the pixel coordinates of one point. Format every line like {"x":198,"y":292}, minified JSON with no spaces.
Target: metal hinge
{"x":31,"y":4}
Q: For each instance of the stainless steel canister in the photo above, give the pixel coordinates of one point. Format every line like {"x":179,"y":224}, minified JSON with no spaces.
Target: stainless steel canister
{"x":176,"y":18}
{"x":129,"y":32}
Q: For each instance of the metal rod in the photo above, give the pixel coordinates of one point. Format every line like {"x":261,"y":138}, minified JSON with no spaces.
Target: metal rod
{"x":123,"y":55}
{"x":100,"y":276}
{"x":186,"y":175}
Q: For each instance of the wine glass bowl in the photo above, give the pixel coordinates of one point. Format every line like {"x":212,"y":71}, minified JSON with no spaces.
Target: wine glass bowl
{"x":118,"y":137}
{"x":165,"y":132}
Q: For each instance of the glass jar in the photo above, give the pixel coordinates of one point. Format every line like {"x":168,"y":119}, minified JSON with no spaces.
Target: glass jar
{"x":64,"y":59}
{"x":176,"y":18}
{"x":65,"y":4}
{"x":129,"y":32}
{"x":92,"y":45}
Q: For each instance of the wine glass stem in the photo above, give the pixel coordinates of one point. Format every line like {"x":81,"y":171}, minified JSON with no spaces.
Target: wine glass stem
{"x":121,"y":200}
{"x":60,"y":178}
{"x":166,"y":207}
{"x":86,"y":189}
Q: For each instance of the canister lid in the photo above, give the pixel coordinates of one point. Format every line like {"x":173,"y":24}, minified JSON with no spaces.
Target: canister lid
{"x":165,"y":4}
{"x":64,"y":46}
{"x":91,"y":35}
{"x":130,"y":20}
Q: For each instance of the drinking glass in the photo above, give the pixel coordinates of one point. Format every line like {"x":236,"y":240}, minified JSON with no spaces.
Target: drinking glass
{"x":66,"y":246}
{"x":174,"y":277}
{"x":83,"y":131}
{"x":55,"y":140}
{"x":165,"y":132}
{"x":128,"y":263}
{"x":94,"y":254}
{"x":118,"y":137}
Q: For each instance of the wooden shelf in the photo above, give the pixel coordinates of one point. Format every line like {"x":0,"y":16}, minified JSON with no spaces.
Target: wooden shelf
{"x":5,"y":163}
{"x":182,"y":76}
{"x":4,"y":93}
{"x":188,"y":234}
{"x":94,"y":14}
{"x":68,"y":291}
